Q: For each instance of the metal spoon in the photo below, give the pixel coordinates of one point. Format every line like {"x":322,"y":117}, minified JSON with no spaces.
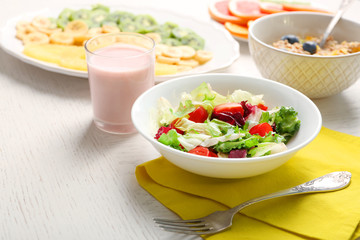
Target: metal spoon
{"x":343,"y":7}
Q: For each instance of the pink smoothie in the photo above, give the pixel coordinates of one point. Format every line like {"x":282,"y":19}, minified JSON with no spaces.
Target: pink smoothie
{"x":118,"y":74}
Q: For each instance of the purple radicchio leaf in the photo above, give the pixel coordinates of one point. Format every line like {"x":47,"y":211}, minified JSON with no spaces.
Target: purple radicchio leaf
{"x":238,"y":153}
{"x":231,"y":118}
{"x":248,"y":108}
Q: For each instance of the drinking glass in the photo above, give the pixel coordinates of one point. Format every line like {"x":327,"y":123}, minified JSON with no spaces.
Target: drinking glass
{"x":120,"y":68}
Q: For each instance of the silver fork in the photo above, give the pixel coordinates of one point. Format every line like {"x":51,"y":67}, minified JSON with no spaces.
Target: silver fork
{"x":221,"y":220}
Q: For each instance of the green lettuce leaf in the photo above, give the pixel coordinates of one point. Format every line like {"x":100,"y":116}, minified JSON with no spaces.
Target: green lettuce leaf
{"x":164,"y":112}
{"x":247,"y":143}
{"x":272,"y":137}
{"x":240,"y":95}
{"x":192,"y":140}
{"x":184,"y":109}
{"x":267,"y":148}
{"x":171,"y":139}
{"x":286,"y":122}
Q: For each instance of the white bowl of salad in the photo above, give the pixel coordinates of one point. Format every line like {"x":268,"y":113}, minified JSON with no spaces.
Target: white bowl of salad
{"x":226,"y":125}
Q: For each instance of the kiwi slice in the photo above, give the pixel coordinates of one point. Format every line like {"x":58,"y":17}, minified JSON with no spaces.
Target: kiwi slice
{"x":82,"y":14}
{"x":100,"y":7}
{"x":62,"y":22}
{"x":193,"y":40}
{"x":109,"y":23}
{"x":121,"y":16}
{"x":146,"y":23}
{"x":128,"y":25}
{"x":66,"y":13}
{"x":179,"y":32}
{"x":53,"y":23}
{"x":97,"y":17}
{"x":165,"y":29}
{"x":171,"y":42}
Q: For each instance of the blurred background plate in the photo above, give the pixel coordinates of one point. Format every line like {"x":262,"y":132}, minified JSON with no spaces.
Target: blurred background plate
{"x":217,"y":39}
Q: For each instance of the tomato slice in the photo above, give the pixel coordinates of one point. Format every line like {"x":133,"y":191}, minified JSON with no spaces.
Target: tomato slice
{"x":219,"y":11}
{"x":203,"y":151}
{"x":306,"y":8}
{"x":237,"y":30}
{"x":269,"y":7}
{"x":262,"y":106}
{"x":262,"y":129}
{"x":199,"y":115}
{"x":162,"y":130}
{"x":229,"y":108}
{"x":173,"y":126}
{"x":245,"y":9}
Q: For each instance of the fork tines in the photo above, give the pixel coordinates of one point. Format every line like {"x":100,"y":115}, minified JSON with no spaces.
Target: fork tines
{"x":197,"y":227}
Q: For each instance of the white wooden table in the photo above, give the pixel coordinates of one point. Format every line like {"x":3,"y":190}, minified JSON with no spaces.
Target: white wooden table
{"x":62,"y":178}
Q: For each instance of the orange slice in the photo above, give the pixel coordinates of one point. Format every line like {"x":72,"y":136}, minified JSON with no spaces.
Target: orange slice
{"x":237,"y":30}
{"x":249,"y":23}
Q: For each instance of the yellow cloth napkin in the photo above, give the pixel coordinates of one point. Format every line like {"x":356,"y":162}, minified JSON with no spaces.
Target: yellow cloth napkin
{"x":331,"y":215}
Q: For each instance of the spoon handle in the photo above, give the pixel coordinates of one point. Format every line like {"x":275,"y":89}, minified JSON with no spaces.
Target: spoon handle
{"x":343,"y":6}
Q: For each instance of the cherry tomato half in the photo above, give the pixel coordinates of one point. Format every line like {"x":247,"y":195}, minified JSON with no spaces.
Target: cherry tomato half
{"x":262,"y":129}
{"x":262,"y":106}
{"x":173,"y":126}
{"x":203,"y":151}
{"x":199,"y":115}
{"x":229,"y":107}
{"x":162,"y":130}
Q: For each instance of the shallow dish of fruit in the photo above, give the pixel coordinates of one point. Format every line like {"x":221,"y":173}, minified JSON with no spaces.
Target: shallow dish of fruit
{"x":184,"y":45}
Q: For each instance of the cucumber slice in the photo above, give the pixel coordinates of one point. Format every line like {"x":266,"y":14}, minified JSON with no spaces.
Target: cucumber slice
{"x":128,"y":25}
{"x":101,"y":7}
{"x":171,"y":42}
{"x":193,"y":40}
{"x":97,"y":17}
{"x":66,"y":13}
{"x":82,"y":14}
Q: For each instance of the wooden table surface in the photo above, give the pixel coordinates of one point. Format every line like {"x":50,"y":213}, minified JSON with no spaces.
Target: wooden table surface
{"x":61,"y":177}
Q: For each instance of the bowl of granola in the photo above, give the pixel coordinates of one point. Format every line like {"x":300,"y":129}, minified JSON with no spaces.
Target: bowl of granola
{"x":285,"y":48}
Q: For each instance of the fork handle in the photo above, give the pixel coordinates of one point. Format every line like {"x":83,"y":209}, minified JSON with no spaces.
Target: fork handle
{"x":329,"y":182}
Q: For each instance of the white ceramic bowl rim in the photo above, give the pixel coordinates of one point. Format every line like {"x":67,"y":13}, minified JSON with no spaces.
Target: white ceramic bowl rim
{"x":262,"y":19}
{"x":232,"y":160}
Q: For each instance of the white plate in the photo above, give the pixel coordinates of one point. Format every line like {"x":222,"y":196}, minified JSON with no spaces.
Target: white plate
{"x":217,"y":39}
{"x":240,"y":39}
